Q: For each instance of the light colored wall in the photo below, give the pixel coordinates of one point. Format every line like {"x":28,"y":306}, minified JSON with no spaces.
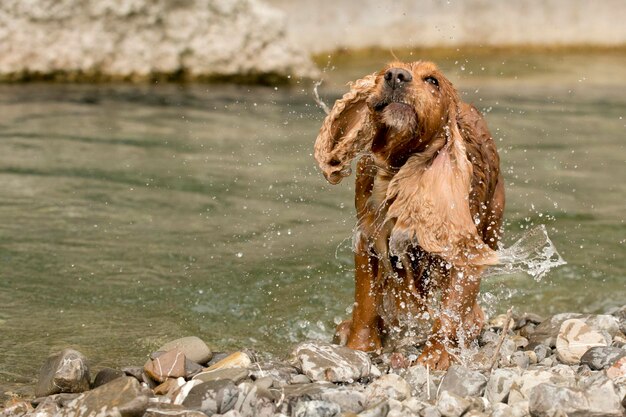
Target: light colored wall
{"x":324,"y":25}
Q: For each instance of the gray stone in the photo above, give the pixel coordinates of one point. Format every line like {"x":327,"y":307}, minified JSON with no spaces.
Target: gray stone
{"x":160,"y":409}
{"x":422,"y":381}
{"x":316,"y":408}
{"x":533,"y":377}
{"x":542,"y":352}
{"x":378,"y":410}
{"x":499,"y":384}
{"x":451,"y":405}
{"x":325,"y":362}
{"x":212,"y":397}
{"x":236,"y":375}
{"x":48,"y":407}
{"x":66,"y":371}
{"x":139,"y":38}
{"x":463,"y":382}
{"x":430,"y":411}
{"x":602,"y":394}
{"x":546,"y":333}
{"x":386,"y":387}
{"x":601,"y":357}
{"x":575,"y":338}
{"x":16,"y":408}
{"x":282,"y":373}
{"x":252,"y":402}
{"x":193,"y":347}
{"x":106,"y":375}
{"x":520,"y":359}
{"x":300,"y":379}
{"x":121,"y":397}
{"x":546,"y":400}
{"x":349,"y":399}
{"x":502,"y":410}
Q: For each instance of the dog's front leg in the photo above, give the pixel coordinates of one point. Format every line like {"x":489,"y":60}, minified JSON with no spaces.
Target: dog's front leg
{"x":460,"y":319}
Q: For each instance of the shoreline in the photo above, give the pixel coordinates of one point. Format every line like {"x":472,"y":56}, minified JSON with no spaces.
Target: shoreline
{"x":339,"y":57}
{"x":567,"y":363}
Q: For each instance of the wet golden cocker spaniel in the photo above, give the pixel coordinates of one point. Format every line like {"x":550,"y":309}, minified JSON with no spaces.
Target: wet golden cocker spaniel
{"x":429,"y":202}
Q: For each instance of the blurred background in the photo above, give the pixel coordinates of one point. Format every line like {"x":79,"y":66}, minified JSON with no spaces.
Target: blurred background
{"x":157,"y":177}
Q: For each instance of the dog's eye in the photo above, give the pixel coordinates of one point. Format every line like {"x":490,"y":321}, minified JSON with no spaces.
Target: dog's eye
{"x":432,"y":80}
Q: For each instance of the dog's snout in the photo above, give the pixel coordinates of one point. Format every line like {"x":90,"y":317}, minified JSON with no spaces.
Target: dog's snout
{"x":396,"y":77}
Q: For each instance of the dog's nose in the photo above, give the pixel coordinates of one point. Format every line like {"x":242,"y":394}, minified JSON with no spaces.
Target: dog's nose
{"x":396,"y":77}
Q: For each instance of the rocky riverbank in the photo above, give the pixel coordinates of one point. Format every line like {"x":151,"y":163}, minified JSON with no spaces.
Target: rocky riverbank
{"x":143,"y":40}
{"x":565,"y":365}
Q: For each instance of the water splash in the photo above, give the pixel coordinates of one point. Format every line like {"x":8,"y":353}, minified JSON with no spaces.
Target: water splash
{"x":533,"y":254}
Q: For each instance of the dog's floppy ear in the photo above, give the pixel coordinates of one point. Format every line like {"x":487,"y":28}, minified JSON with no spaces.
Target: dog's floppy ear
{"x":347,"y":130}
{"x":430,"y":203}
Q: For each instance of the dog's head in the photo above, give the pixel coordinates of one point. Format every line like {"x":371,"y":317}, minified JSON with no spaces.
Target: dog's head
{"x":392,"y":114}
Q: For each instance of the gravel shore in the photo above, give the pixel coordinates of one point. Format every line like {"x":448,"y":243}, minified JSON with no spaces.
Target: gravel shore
{"x":523,"y":365}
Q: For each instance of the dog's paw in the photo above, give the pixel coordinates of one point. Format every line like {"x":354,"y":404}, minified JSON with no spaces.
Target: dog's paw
{"x":342,"y":332}
{"x":435,"y":356}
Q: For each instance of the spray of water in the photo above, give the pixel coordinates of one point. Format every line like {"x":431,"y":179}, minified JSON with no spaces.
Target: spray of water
{"x":533,"y":254}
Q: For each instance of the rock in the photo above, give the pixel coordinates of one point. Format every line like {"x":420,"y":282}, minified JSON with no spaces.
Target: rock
{"x":123,"y":396}
{"x":531,"y":378}
{"x":423,"y":383}
{"x":166,"y":365}
{"x":170,"y":410}
{"x":617,"y":370}
{"x":212,"y":397}
{"x":251,"y":402}
{"x":430,"y":411}
{"x":378,"y":410}
{"x":300,"y":379}
{"x":139,"y":39}
{"x":385,"y":387}
{"x":316,"y":408}
{"x":520,"y":359}
{"x":236,"y":375}
{"x":451,"y":405}
{"x":235,"y":360}
{"x":16,"y":408}
{"x":66,"y":371}
{"x":349,"y":399}
{"x":574,"y":339}
{"x":546,"y":333}
{"x":463,"y":382}
{"x":48,"y":407}
{"x":601,"y":357}
{"x":502,"y":410}
{"x":499,"y":384}
{"x":106,"y":375}
{"x":548,"y":400}
{"x":193,"y":347}
{"x":325,"y":362}
{"x":542,"y":351}
{"x":602,"y":395}
{"x":169,"y":387}
{"x":532,"y":357}
{"x":282,"y":373}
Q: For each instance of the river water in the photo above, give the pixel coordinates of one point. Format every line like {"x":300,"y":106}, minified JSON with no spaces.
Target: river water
{"x":132,"y":215}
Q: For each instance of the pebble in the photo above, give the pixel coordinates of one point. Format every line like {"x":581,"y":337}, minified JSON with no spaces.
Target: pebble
{"x":122,"y":395}
{"x":617,"y":370}
{"x":325,"y":362}
{"x":547,"y":400}
{"x":499,"y":384}
{"x":212,"y":397}
{"x":106,"y":375}
{"x":574,"y":339}
{"x":235,"y":360}
{"x":463,"y":382}
{"x":236,"y":375}
{"x":451,"y":405}
{"x":166,"y":365}
{"x":520,"y":359}
{"x":422,"y":381}
{"x":193,"y":347}
{"x":387,"y":386}
{"x":379,"y":410}
{"x":316,"y":408}
{"x":601,"y":357}
{"x":542,"y":352}
{"x":66,"y":371}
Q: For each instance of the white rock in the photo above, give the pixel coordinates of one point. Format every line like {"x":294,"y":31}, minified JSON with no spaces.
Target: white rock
{"x":575,"y":338}
{"x":129,"y":39}
{"x":390,"y":386}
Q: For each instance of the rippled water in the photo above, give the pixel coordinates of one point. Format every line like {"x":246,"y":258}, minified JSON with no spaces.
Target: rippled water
{"x":131,"y":215}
